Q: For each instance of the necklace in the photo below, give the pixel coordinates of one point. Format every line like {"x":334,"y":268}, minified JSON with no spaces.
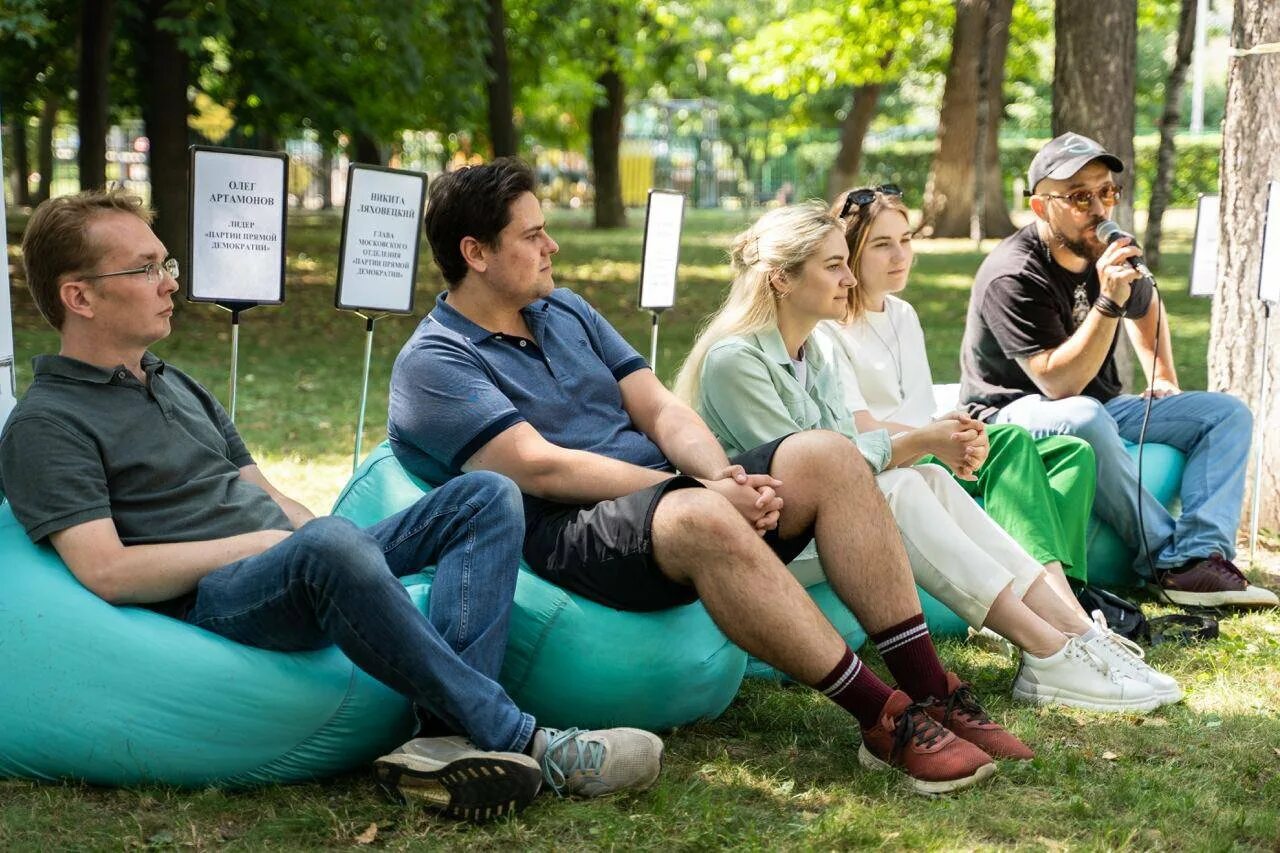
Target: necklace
{"x":896,"y":359}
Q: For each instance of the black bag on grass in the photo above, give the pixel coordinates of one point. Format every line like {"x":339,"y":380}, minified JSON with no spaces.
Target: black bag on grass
{"x":1122,"y":615}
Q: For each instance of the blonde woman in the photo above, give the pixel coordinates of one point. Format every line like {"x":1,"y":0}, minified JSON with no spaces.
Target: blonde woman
{"x":755,"y":374}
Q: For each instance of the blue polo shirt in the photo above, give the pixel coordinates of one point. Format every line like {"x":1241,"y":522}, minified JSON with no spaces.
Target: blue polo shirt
{"x":456,"y":385}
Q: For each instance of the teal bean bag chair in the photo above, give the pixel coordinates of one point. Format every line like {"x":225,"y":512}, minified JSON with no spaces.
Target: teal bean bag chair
{"x":1110,"y":560}
{"x":572,"y":662}
{"x":124,"y":696}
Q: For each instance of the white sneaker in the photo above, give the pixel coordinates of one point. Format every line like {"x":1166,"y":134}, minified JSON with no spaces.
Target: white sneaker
{"x":1127,"y":657}
{"x":1078,"y":677}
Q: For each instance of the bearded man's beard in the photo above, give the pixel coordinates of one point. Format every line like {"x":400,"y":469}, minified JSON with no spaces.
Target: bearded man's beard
{"x":1090,"y":250}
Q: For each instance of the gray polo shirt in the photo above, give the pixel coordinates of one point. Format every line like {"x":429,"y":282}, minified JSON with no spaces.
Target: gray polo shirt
{"x":162,"y":460}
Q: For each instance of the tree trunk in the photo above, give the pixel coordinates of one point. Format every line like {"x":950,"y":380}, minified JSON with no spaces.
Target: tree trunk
{"x":367,"y":150}
{"x":1093,"y":79}
{"x":165,"y":71}
{"x":326,"y":178}
{"x":606,"y":142}
{"x":853,"y":132}
{"x":502,"y":129}
{"x":995,"y":207}
{"x":1250,"y":155}
{"x":44,"y":149}
{"x":1095,"y":61}
{"x":948,"y":194}
{"x":21,"y":161}
{"x":1169,"y":122}
{"x":97,"y":24}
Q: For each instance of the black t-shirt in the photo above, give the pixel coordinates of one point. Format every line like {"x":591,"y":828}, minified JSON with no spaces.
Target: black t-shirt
{"x":1023,"y":303}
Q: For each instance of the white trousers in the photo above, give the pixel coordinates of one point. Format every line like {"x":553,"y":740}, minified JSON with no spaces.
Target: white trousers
{"x":958,"y":554}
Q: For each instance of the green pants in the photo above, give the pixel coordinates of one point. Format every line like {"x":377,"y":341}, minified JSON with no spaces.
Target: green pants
{"x":1039,"y":491}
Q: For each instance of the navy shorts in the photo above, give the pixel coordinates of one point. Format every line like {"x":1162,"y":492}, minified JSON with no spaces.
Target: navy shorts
{"x":604,"y":551}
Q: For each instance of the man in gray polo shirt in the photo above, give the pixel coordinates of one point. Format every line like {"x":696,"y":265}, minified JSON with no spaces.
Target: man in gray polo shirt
{"x":139,"y":480}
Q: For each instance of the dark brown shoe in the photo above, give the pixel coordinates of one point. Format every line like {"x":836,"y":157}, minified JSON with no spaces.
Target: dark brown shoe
{"x":961,"y":714}
{"x":906,"y":738}
{"x":1212,"y":582}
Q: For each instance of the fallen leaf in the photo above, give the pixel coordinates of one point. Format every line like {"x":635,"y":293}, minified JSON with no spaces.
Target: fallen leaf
{"x":1109,"y":755}
{"x":369,"y":836}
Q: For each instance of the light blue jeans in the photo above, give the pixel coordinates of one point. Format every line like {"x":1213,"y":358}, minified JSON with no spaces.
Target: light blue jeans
{"x":333,"y":583}
{"x":1212,"y":429}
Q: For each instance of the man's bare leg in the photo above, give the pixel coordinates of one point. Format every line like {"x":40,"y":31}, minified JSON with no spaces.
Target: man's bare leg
{"x":700,"y":539}
{"x":827,"y":484}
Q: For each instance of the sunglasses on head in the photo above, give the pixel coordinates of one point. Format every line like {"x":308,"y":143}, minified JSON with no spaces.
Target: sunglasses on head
{"x":1082,"y":200}
{"x":863,"y":196}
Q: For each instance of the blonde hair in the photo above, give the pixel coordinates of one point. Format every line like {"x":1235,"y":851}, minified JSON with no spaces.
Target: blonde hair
{"x":775,"y":247}
{"x":857,"y":225}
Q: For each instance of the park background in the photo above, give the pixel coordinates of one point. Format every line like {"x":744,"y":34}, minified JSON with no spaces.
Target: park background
{"x":740,"y":106}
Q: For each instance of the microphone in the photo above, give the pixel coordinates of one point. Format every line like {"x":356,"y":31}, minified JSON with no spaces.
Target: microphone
{"x":1109,"y":232}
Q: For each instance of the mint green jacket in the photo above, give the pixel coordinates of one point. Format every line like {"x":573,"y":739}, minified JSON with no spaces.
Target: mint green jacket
{"x":749,"y":395}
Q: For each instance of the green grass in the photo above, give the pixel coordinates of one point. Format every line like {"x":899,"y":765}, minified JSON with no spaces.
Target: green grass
{"x":778,"y":770}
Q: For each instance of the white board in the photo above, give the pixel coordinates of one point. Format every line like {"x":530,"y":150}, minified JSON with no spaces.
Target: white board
{"x":381,"y":234}
{"x":663,"y":220}
{"x":8,"y":379}
{"x":237,"y":222}
{"x":1269,"y":275}
{"x":1204,"y":251}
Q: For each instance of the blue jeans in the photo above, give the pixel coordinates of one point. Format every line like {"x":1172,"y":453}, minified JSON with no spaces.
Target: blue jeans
{"x":1212,"y":429}
{"x":331,"y":583}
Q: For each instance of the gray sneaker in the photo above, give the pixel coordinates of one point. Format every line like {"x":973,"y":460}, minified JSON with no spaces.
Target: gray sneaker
{"x":453,"y":775}
{"x":599,"y":762}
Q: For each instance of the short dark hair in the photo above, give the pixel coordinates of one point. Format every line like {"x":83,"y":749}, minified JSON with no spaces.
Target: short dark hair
{"x":57,"y":242}
{"x":474,"y":201}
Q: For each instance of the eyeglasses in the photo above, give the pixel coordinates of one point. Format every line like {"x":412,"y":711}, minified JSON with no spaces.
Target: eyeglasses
{"x":169,"y":266}
{"x":863,"y":196}
{"x":1082,"y":200}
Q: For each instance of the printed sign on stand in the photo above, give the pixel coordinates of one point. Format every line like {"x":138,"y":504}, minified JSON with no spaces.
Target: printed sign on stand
{"x":1204,"y":251}
{"x":381,"y":235}
{"x":239,"y":204}
{"x":1269,"y":274}
{"x":663,"y":220}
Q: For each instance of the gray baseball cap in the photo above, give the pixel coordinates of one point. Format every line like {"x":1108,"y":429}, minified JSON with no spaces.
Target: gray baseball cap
{"x":1065,"y":155}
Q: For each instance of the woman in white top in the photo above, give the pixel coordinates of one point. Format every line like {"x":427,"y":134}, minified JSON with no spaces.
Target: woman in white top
{"x":755,"y":374}
{"x":1040,"y":492}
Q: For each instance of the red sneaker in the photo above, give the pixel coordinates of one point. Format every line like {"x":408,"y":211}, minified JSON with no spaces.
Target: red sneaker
{"x":963,"y":716}
{"x":906,"y":738}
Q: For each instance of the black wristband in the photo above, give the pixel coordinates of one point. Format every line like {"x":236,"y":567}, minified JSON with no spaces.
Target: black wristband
{"x":1108,"y":307}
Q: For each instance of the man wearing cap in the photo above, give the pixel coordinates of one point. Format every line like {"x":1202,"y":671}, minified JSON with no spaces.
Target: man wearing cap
{"x":1039,"y":350}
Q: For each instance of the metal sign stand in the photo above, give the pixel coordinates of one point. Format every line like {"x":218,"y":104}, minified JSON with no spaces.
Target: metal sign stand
{"x":235,"y":308}
{"x":1260,"y":440}
{"x":653,"y":339}
{"x":364,"y":387}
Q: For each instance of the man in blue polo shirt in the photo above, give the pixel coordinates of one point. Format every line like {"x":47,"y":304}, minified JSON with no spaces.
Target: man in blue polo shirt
{"x":135,"y":474}
{"x":630,"y":501}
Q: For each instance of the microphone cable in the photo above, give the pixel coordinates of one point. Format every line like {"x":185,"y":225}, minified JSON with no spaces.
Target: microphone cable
{"x":1142,"y":441}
